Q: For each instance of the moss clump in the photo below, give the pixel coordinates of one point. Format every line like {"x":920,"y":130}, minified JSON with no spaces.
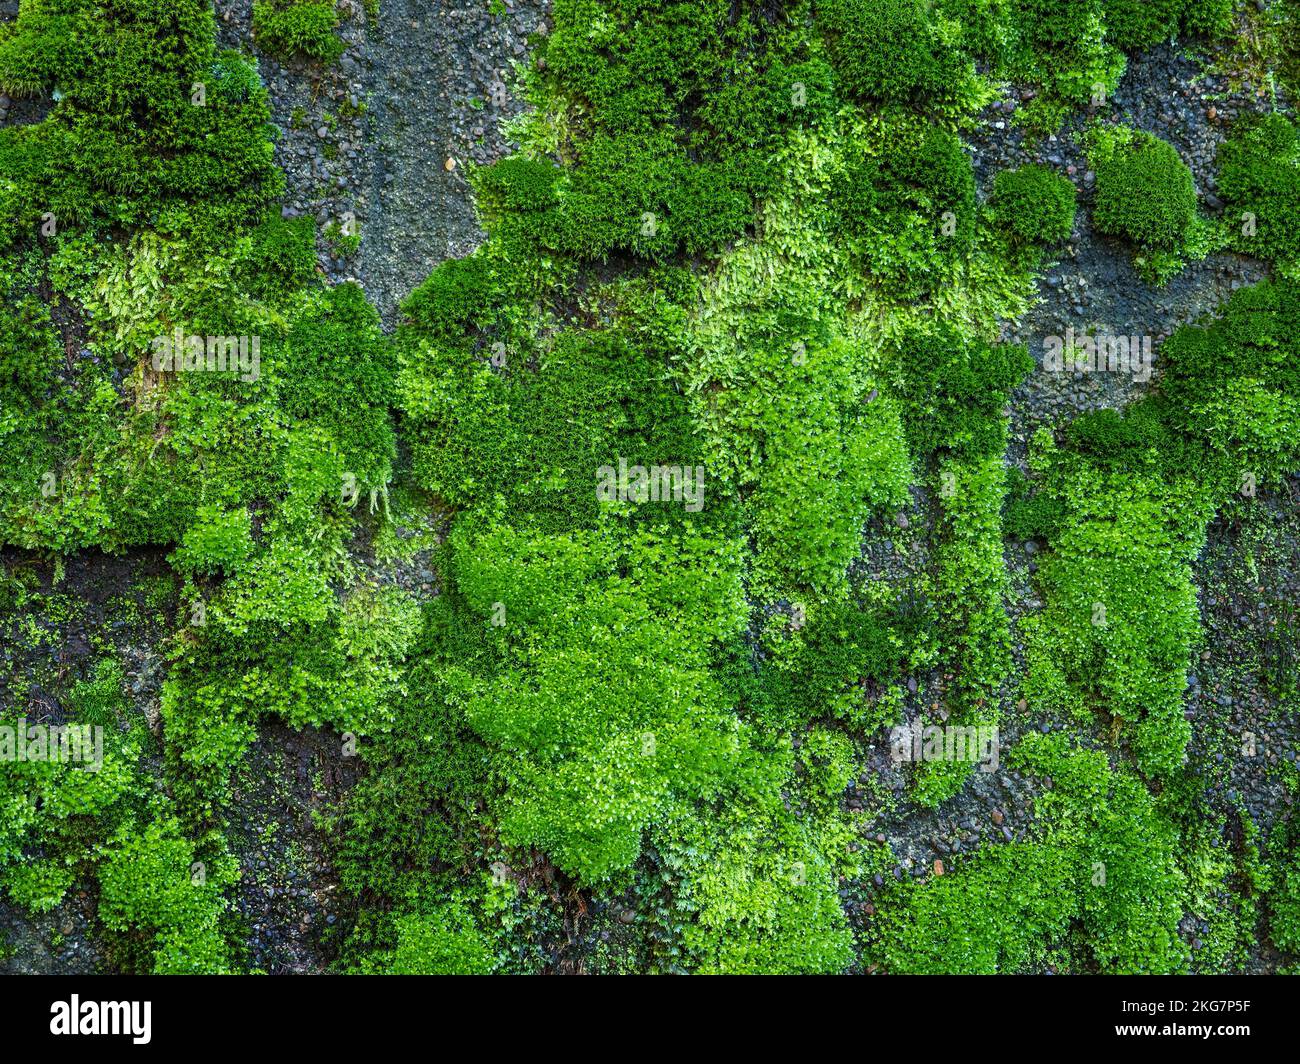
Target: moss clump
{"x":672,"y":111}
{"x":1284,"y":901}
{"x":824,"y":666}
{"x":154,"y":892}
{"x":1145,"y":191}
{"x":1113,"y":439}
{"x":888,"y":50}
{"x":218,"y":540}
{"x":286,"y":28}
{"x":454,"y":298}
{"x":1136,"y":24}
{"x":1030,"y":514}
{"x":1035,"y":203}
{"x":1231,"y":385}
{"x":1101,"y":854}
{"x":519,"y":185}
{"x":1059,"y":22}
{"x":1133,"y":24}
{"x":151,"y":125}
{"x":1138,"y":491}
{"x":446,"y":941}
{"x":279,"y":257}
{"x":336,"y":372}
{"x":1259,"y":180}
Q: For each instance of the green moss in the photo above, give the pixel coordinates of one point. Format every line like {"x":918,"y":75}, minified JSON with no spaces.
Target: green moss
{"x":280,"y":257}
{"x":1035,"y":203}
{"x":127,"y":143}
{"x":1059,"y":23}
{"x":335,"y":371}
{"x":956,"y":388}
{"x":217,"y":540}
{"x":1030,"y":514}
{"x":453,"y":297}
{"x":1120,"y":619}
{"x":1134,"y":25}
{"x":1138,"y":491}
{"x":154,"y":892}
{"x":910,"y":211}
{"x":888,"y":50}
{"x":672,"y":109}
{"x":1099,"y":854}
{"x":1232,"y":384}
{"x":1145,"y":191}
{"x":1259,"y":180}
{"x":743,"y":239}
{"x":1131,"y":24}
{"x":1284,"y":903}
{"x":443,"y":942}
{"x":298,"y":27}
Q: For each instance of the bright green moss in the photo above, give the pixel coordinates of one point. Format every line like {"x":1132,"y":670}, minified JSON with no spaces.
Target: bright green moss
{"x":1059,"y":23}
{"x":443,"y":942}
{"x":760,"y":897}
{"x":152,"y":126}
{"x":217,"y":540}
{"x":1145,"y":191}
{"x":453,"y":297}
{"x":1138,"y":491}
{"x":58,"y":811}
{"x":673,"y":111}
{"x":336,"y":372}
{"x":590,"y":744}
{"x":636,"y":704}
{"x":972,"y":592}
{"x":1259,"y":180}
{"x":823,"y":672}
{"x":1099,"y":854}
{"x":1210,"y":18}
{"x":1284,"y":903}
{"x":1234,"y":383}
{"x":28,"y":352}
{"x":298,"y":27}
{"x":522,"y":185}
{"x":166,"y":904}
{"x":910,"y":212}
{"x":1133,"y":24}
{"x":1030,"y":514}
{"x":1120,"y":618}
{"x":1137,"y":24}
{"x":280,"y":257}
{"x":1035,"y":203}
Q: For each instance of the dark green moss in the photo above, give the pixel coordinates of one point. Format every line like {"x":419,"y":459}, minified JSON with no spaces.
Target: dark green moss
{"x":956,"y":388}
{"x":887,"y":50}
